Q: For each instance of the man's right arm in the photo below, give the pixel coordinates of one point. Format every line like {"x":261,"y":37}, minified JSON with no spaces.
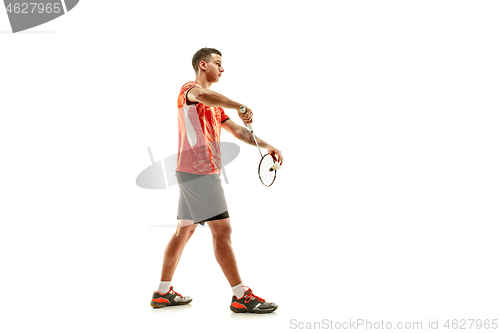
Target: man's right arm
{"x":211,"y":98}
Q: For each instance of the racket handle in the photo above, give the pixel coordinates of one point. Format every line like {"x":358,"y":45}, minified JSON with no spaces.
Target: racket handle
{"x":243,"y":109}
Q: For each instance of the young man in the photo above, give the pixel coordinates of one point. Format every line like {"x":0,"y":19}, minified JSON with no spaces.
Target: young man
{"x":201,"y":117}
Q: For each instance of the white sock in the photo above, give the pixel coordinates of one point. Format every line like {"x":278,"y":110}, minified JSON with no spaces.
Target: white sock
{"x":164,"y":287}
{"x":239,"y":290}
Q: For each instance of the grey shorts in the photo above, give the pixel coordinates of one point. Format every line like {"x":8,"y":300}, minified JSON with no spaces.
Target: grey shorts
{"x":201,"y":198}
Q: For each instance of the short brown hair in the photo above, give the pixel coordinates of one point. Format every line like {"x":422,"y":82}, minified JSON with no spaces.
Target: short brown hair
{"x":203,"y":54}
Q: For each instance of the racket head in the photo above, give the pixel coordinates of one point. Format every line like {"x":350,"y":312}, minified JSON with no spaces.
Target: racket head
{"x":266,"y":174}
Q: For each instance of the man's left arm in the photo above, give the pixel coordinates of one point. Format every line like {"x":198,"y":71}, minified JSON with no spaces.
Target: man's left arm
{"x":246,"y":136}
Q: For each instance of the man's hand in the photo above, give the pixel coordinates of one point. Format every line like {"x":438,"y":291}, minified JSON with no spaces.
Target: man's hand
{"x":276,"y":154}
{"x":247,"y":116}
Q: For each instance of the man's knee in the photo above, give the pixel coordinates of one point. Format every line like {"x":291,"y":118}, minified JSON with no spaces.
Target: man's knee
{"x":187,"y":230}
{"x":221,"y":229}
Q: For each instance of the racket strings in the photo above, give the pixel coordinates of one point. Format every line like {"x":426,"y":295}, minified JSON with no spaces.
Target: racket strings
{"x":266,"y":173}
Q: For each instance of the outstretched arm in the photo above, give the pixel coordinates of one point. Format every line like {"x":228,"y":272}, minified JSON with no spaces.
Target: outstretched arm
{"x":245,"y":135}
{"x":212,"y":98}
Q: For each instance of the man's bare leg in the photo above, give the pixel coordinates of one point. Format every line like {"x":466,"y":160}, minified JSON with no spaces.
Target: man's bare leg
{"x":223,"y":250}
{"x":174,"y":248}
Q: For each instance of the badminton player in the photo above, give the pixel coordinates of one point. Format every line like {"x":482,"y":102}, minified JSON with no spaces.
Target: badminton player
{"x":201,"y":117}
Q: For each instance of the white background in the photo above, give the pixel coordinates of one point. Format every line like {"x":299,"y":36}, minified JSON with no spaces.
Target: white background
{"x":387,"y":208}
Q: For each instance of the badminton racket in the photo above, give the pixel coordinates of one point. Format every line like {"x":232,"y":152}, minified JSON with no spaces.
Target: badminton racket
{"x":267,"y":165}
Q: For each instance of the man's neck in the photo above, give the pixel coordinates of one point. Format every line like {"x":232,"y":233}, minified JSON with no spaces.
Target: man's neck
{"x":203,"y":82}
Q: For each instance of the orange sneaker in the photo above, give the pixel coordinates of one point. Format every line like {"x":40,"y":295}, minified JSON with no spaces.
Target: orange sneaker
{"x":251,"y":303}
{"x":169,"y":298}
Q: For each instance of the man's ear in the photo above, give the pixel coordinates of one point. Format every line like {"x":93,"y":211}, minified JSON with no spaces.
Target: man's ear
{"x":202,"y":65}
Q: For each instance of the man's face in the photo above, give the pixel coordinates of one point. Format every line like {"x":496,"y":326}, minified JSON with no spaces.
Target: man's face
{"x":214,"y":69}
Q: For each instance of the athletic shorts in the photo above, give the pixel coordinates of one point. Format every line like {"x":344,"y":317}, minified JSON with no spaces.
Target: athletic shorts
{"x":201,"y":198}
